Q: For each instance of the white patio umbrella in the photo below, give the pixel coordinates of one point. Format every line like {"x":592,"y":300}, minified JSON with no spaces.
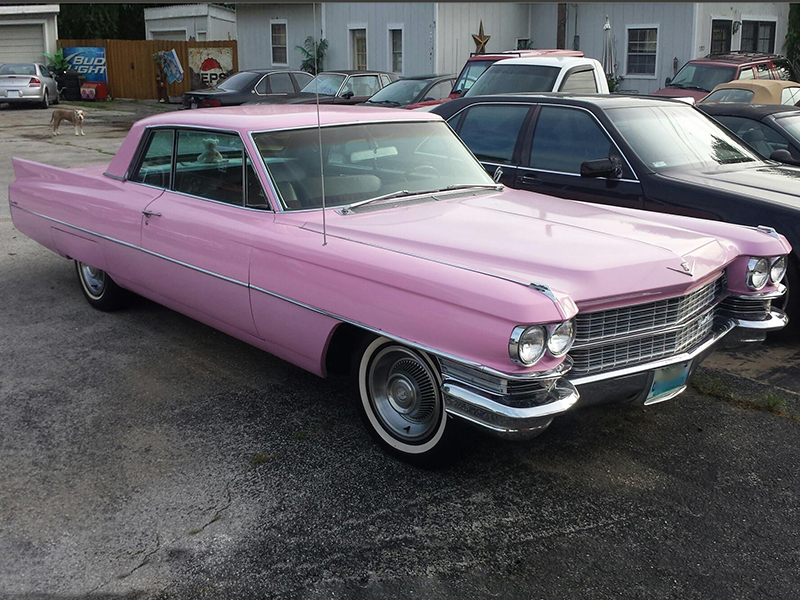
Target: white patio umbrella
{"x":608,"y":50}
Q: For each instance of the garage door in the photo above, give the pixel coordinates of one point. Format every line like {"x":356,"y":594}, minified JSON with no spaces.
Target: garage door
{"x":21,"y":43}
{"x":173,"y":36}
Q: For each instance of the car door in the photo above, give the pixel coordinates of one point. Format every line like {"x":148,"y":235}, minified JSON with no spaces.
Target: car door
{"x":559,"y":141}
{"x":759,"y":135}
{"x":358,"y":89}
{"x":280,"y":84}
{"x":493,"y":131}
{"x":197,"y":235}
{"x":301,"y":79}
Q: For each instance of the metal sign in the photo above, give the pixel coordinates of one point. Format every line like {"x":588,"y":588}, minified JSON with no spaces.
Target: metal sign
{"x":209,"y":65}
{"x":89,"y":61}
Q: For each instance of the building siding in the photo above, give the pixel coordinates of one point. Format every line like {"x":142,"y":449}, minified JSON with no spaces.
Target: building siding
{"x":741,"y":11}
{"x":253,"y":30}
{"x":542,"y":25}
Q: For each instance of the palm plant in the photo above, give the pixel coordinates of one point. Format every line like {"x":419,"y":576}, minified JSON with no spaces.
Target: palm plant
{"x":58,"y":62}
{"x":309,"y":50}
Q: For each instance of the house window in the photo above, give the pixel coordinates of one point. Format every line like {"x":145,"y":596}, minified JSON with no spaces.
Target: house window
{"x":523,"y":43}
{"x":278,"y":42}
{"x":642,"y":48}
{"x":397,"y":50}
{"x":758,"y":36}
{"x":358,"y":49}
{"x":721,"y":36}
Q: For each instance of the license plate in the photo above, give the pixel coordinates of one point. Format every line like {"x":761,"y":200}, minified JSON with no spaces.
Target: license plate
{"x":194,"y":104}
{"x":667,"y":381}
{"x":14,"y":94}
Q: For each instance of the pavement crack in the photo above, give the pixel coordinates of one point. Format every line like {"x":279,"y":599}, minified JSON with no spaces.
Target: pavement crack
{"x":145,"y":558}
{"x":217,"y":514}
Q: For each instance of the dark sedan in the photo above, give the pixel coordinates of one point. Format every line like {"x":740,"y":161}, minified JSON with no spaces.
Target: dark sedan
{"x":414,"y":92}
{"x":641,"y":152}
{"x":337,"y":87}
{"x":773,"y":131}
{"x":246,"y":86}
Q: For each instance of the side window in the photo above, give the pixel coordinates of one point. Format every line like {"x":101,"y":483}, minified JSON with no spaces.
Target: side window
{"x":261,"y":87}
{"x":281,"y":83}
{"x":746,"y":73}
{"x":43,"y":70}
{"x":790,"y":96}
{"x":491,"y":131}
{"x":580,"y":82}
{"x":254,"y":192}
{"x":362,"y":85}
{"x":764,"y":71}
{"x":784,"y":70}
{"x":566,"y":137}
{"x":385,"y":80}
{"x":209,"y":165}
{"x":439,"y":91}
{"x":155,"y":167}
{"x":761,"y":137}
{"x":302,"y":79}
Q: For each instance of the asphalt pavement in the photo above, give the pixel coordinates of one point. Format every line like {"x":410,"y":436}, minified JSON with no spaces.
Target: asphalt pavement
{"x":146,"y":456}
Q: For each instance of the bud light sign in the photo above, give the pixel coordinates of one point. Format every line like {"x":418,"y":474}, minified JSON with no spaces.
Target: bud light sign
{"x":89,"y":61}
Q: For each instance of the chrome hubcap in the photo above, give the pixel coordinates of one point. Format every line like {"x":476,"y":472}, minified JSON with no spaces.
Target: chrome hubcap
{"x":404,"y":393}
{"x":94,"y":279}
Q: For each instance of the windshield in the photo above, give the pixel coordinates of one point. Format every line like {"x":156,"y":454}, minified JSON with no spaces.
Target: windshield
{"x":791,"y":125}
{"x":237,"y":82}
{"x":506,"y":79}
{"x":666,"y":137}
{"x":18,"y":69}
{"x":702,"y":77}
{"x":470,"y":73}
{"x":400,"y":92}
{"x":730,"y":95}
{"x":329,"y":84}
{"x":365,"y":161}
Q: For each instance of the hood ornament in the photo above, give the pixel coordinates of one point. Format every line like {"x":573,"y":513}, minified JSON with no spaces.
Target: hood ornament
{"x":686,"y":268}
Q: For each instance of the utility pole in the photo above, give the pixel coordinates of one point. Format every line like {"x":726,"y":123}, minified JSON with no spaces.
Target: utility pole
{"x":561,"y":28}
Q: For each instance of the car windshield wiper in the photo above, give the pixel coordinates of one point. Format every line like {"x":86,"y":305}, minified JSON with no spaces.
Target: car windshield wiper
{"x":349,"y":208}
{"x":390,"y":102}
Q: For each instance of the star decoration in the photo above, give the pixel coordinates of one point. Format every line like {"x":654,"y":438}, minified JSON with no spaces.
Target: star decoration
{"x":480,"y":40}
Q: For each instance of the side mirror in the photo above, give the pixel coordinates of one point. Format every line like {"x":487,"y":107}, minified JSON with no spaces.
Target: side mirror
{"x":784,"y":156}
{"x":461,"y":92}
{"x":347,"y":95}
{"x":601,"y":167}
{"x":668,"y":80}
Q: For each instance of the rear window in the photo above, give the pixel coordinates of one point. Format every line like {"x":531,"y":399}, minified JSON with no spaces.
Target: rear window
{"x":506,"y":79}
{"x":18,"y":69}
{"x":730,"y":95}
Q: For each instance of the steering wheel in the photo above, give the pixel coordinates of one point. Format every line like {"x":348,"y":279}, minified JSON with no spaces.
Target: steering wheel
{"x":421,"y":170}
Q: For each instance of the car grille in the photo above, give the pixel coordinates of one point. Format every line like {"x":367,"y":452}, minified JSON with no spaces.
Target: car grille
{"x":654,"y":330}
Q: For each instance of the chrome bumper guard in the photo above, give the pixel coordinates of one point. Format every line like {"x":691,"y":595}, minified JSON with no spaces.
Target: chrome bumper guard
{"x":521,"y":407}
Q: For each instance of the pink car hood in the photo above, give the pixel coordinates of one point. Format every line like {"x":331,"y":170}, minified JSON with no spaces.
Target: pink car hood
{"x":599,"y":256}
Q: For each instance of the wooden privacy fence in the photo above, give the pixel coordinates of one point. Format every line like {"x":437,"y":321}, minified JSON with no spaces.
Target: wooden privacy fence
{"x":132,"y":71}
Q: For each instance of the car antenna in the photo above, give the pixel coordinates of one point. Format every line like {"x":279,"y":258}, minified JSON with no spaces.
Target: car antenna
{"x":319,"y":127}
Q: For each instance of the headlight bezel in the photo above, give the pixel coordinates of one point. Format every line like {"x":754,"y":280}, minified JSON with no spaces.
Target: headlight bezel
{"x":751,"y":272}
{"x":772,"y":263}
{"x":517,"y":340}
{"x":552,"y":332}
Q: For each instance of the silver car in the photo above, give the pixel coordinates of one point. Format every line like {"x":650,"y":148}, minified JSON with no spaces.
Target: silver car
{"x":27,"y":83}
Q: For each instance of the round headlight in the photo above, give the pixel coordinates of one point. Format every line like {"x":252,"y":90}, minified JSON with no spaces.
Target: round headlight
{"x":561,"y":337}
{"x":527,"y":344}
{"x":757,"y":273}
{"x":777,"y":269}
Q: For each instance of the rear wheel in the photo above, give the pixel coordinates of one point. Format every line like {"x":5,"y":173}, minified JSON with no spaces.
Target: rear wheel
{"x":401,"y":403}
{"x":45,"y":103}
{"x":99,"y":289}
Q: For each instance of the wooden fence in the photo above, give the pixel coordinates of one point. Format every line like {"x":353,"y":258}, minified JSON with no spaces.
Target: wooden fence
{"x":132,"y":71}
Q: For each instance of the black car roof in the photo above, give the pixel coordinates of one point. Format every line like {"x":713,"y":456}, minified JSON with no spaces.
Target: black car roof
{"x":356,"y":72}
{"x":741,"y":109}
{"x":428,"y":77}
{"x":602,"y":101}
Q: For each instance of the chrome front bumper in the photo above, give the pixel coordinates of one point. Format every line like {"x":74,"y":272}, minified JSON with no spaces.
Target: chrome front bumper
{"x":522,"y":407}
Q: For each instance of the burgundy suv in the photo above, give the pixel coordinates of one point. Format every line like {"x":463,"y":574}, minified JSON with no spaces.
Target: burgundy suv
{"x":701,"y":75}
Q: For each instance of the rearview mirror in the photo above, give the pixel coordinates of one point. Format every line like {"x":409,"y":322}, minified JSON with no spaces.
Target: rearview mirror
{"x":380,"y":152}
{"x":601,"y":167}
{"x":784,"y":156}
{"x":347,"y":95}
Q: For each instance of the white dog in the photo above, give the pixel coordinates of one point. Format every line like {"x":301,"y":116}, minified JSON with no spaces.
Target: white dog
{"x":73,"y":116}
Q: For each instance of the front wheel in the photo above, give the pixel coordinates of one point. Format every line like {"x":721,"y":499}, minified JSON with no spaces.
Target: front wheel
{"x":402,"y":405}
{"x":99,"y":289}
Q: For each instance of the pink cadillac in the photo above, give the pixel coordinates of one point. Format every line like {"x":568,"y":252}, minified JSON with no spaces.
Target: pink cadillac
{"x":448,"y":298}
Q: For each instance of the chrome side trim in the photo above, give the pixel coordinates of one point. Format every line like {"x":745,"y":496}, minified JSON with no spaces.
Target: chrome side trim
{"x":776,"y":319}
{"x":665,"y":397}
{"x":532,"y":376}
{"x":768,"y":295}
{"x":575,"y":174}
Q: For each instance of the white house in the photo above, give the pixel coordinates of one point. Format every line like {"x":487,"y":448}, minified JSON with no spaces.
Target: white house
{"x":180,"y":22}
{"x":27,"y":32}
{"x":652,"y":40}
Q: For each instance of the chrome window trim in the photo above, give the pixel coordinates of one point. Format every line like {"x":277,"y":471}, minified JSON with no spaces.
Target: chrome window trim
{"x":117,"y":177}
{"x":255,"y":87}
{"x":556,"y":371}
{"x":576,"y":174}
{"x":540,"y":103}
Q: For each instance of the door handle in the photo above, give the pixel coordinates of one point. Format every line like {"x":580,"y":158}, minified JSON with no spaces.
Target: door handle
{"x":529,"y":180}
{"x":150,"y":213}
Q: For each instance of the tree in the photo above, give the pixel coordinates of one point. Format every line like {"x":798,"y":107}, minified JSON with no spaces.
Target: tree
{"x":792,"y":45}
{"x":308,"y":65}
{"x":102,"y":21}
